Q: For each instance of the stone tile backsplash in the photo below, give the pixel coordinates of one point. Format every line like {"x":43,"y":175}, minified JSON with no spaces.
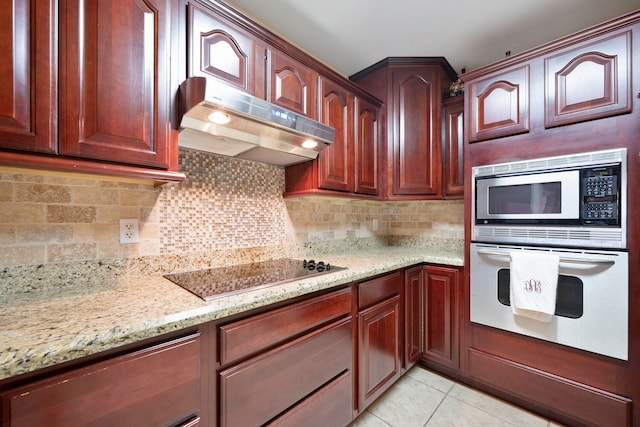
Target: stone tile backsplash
{"x":223,"y":205}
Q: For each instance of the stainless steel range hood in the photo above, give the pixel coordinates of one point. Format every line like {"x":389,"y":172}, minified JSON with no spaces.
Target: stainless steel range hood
{"x":232,"y":123}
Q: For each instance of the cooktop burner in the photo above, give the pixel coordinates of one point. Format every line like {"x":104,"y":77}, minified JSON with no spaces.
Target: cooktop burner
{"x":218,"y":282}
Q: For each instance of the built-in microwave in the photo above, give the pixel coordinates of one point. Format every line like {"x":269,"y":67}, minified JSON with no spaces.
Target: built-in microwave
{"x":574,"y":200}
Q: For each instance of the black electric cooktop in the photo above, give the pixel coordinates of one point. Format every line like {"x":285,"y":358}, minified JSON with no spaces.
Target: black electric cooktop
{"x":215,"y":283}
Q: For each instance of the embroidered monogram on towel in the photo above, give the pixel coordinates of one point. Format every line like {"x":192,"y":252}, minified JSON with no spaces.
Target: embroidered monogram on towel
{"x":534,"y":281}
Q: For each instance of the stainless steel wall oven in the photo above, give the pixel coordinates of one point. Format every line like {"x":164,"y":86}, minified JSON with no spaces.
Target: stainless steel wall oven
{"x":571,"y":206}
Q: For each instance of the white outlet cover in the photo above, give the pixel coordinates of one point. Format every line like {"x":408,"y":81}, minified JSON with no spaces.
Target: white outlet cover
{"x":129,"y":231}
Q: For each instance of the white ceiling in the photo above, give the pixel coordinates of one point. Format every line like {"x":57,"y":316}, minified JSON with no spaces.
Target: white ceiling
{"x":349,"y":35}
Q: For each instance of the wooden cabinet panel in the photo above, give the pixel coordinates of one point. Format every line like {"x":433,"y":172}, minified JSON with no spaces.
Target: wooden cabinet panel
{"x":335,"y":163}
{"x":499,"y":104}
{"x":416,"y":141}
{"x":413,"y":284}
{"x":254,"y":392}
{"x":221,"y":51}
{"x":588,"y":81}
{"x":291,"y":84}
{"x":366,"y":148}
{"x":28,"y":71}
{"x":251,"y":335}
{"x":378,"y":350}
{"x":156,"y":386}
{"x":376,"y":290}
{"x":333,"y":402}
{"x":114,"y":81}
{"x":452,"y":146}
{"x":440,"y":341}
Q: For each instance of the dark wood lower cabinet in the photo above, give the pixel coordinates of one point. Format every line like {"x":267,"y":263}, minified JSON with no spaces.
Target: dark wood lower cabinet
{"x":156,"y":386}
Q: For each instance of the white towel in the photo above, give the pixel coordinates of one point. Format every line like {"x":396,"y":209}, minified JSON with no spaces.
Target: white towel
{"x":534,"y":280}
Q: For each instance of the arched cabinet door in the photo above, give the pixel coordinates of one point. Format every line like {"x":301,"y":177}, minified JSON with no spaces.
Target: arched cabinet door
{"x":291,"y":84}
{"x":589,"y":81}
{"x":366,"y":148}
{"x":220,"y":51}
{"x":499,"y":105}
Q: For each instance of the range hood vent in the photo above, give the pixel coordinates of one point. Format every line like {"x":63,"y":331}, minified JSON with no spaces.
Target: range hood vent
{"x":249,"y":127}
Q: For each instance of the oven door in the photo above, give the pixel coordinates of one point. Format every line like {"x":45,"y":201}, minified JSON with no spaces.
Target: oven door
{"x":591,"y":301}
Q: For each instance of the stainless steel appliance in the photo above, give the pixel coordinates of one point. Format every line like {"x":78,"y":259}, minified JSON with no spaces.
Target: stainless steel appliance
{"x":222,"y":120}
{"x":213,"y":283}
{"x":576,"y":200}
{"x":591,"y":302}
{"x":574,"y":206}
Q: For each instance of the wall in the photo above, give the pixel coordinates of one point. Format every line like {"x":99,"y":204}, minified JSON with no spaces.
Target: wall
{"x":224,"y":204}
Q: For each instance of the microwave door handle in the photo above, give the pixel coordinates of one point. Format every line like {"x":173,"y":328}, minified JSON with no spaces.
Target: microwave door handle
{"x":562,"y":259}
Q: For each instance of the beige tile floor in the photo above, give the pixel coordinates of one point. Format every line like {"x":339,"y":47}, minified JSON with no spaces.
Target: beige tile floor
{"x":422,"y":398}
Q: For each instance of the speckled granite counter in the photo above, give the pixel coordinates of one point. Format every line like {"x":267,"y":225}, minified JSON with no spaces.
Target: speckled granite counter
{"x":46,"y":327}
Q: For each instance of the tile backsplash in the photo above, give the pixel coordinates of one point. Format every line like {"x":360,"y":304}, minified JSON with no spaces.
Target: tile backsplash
{"x":223,"y":204}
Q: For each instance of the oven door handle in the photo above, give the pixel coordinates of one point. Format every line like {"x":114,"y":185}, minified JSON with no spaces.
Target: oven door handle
{"x":562,"y":259}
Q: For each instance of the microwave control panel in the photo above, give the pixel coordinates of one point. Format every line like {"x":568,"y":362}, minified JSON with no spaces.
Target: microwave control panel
{"x":600,"y":195}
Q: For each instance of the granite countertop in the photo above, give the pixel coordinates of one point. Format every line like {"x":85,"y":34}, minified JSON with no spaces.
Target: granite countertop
{"x":44,"y":328}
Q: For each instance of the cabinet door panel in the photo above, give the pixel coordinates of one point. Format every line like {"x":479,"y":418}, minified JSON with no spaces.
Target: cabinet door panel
{"x":366,"y":148}
{"x":335,"y":162}
{"x":413,"y":316}
{"x":440,"y":314}
{"x":589,"y":82}
{"x":223,"y":52}
{"x":152,"y":387}
{"x":291,"y":84}
{"x":115,"y":80}
{"x":416,"y":142}
{"x":453,"y":143}
{"x":499,"y":105}
{"x":378,"y":350}
{"x":28,"y":94}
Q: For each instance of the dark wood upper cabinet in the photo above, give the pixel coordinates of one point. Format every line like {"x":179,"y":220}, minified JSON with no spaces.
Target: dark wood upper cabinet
{"x":412,"y":90}
{"x":499,"y":104}
{"x":335,"y":162}
{"x":114,"y":81}
{"x":589,"y":80}
{"x":28,"y":71}
{"x":452,"y":147}
{"x":291,"y":84}
{"x":367,"y":145}
{"x":220,"y":50}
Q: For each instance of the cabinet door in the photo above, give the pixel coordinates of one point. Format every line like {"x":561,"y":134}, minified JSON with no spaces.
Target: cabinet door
{"x":452,"y":145}
{"x":291,"y":84}
{"x":589,"y":81}
{"x":499,"y":104}
{"x":440,"y":341}
{"x":114,"y":81}
{"x":366,"y":148}
{"x":416,"y":140}
{"x":28,"y":71}
{"x":412,"y":316}
{"x":157,"y":386}
{"x":335,"y":163}
{"x":218,"y":50}
{"x":378,"y":349}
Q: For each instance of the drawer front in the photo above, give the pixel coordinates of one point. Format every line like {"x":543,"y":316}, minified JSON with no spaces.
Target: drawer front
{"x":254,"y":392}
{"x":249,"y":336}
{"x":153,"y":387}
{"x":332,"y":405}
{"x":376,"y":290}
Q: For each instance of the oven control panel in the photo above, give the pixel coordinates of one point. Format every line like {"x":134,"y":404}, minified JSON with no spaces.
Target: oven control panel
{"x":600,"y":194}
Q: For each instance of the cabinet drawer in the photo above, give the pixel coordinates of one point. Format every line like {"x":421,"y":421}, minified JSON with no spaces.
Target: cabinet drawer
{"x":248,"y":336}
{"x":152,"y":387}
{"x":376,"y":290}
{"x":330,"y":406}
{"x":256,"y":391}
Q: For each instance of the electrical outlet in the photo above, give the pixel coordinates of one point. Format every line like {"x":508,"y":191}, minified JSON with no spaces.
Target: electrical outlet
{"x":129,"y":230}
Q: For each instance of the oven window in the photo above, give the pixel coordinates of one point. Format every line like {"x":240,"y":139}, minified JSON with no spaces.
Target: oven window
{"x":535,"y":198}
{"x":569,"y":294}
